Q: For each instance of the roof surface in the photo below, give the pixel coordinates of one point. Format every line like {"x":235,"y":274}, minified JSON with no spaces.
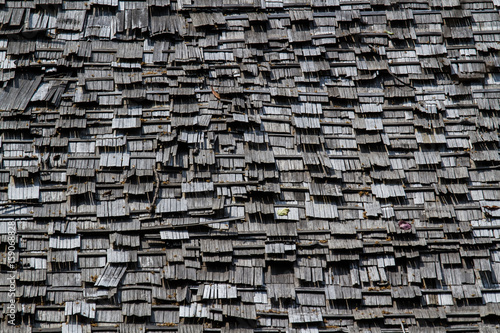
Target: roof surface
{"x":251,"y":166}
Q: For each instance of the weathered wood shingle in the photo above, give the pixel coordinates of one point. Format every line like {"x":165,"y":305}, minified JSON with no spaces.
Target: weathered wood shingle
{"x":263,"y":165}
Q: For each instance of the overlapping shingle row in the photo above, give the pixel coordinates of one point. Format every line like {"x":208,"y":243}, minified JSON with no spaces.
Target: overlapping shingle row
{"x":251,"y":166}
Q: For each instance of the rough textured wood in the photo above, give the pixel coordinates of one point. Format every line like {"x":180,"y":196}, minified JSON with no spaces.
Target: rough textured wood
{"x":241,"y":166}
